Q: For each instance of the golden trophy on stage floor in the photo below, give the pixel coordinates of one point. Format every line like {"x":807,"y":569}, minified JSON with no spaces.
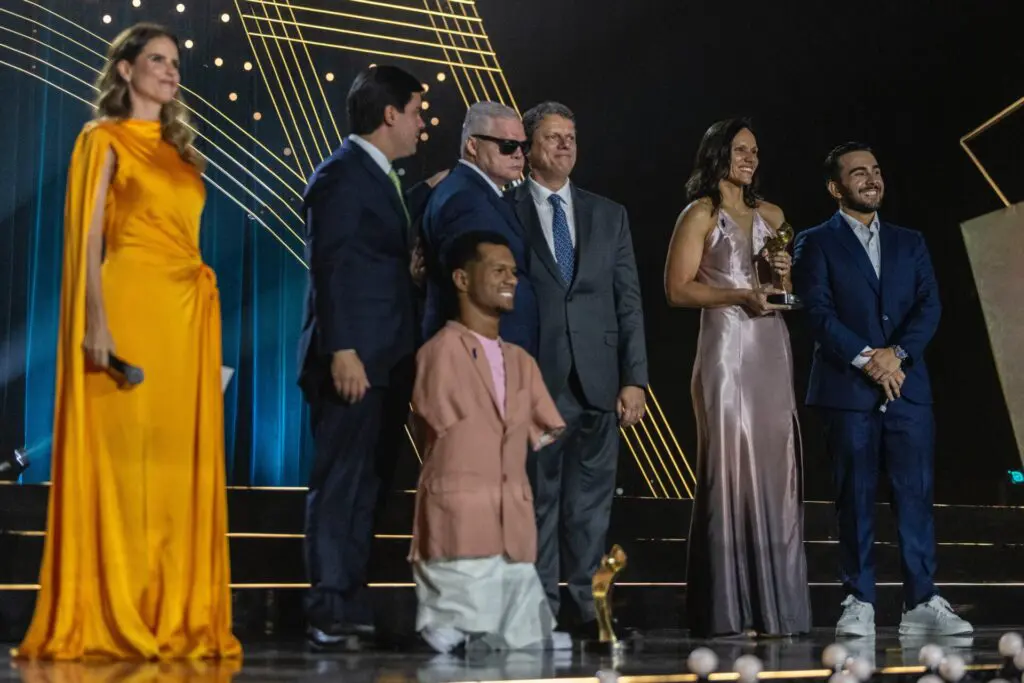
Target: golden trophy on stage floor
{"x":602,"y":583}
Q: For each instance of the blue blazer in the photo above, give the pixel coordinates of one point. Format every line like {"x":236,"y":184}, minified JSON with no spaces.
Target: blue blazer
{"x":461,"y":203}
{"x":849,"y":307}
{"x":360,"y":295}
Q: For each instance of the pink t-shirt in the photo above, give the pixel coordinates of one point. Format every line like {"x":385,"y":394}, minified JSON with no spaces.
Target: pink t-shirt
{"x":495,"y":358}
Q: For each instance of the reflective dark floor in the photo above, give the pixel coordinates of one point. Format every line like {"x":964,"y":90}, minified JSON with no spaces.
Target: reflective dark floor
{"x":652,"y":658}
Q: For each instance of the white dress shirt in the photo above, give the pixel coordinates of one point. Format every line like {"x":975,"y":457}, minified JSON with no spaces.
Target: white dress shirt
{"x":494,"y":186}
{"x":546,"y":213}
{"x":378,"y":156}
{"x":868,"y":236}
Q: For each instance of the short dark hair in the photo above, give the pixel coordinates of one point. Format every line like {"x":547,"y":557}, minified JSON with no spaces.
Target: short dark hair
{"x":714,"y":159}
{"x":832,"y":171}
{"x":465,"y":248}
{"x":536,"y":114}
{"x":373,"y":90}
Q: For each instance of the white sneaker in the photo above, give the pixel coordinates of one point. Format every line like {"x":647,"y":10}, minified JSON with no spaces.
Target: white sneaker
{"x":858,"y":619}
{"x":443,"y":639}
{"x":934,"y":618}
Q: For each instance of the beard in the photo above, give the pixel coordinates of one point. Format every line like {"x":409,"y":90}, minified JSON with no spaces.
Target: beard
{"x":853,"y":201}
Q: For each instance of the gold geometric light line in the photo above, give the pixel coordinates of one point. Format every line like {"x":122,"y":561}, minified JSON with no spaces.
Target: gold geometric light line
{"x":465,"y":43}
{"x":312,"y":66}
{"x":640,"y":466}
{"x":360,"y":17}
{"x":210,"y":180}
{"x":328,"y":148}
{"x":398,"y":55}
{"x":650,"y":417}
{"x":671,"y":433}
{"x":643,"y":449}
{"x":288,"y":100}
{"x":183,"y":87}
{"x":476,"y":42}
{"x":256,"y":218}
{"x":212,"y":144}
{"x":455,"y":77}
{"x":266,"y":81}
{"x":405,"y":8}
{"x":48,"y":82}
{"x":501,"y":72}
{"x":469,"y":81}
{"x":643,"y":425}
{"x":978,"y":131}
{"x":308,"y":100}
{"x":364,"y":34}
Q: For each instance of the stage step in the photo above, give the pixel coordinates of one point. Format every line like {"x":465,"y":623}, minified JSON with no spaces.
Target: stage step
{"x":979,"y":553}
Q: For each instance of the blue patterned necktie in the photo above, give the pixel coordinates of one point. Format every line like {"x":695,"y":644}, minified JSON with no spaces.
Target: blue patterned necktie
{"x":564,"y":253}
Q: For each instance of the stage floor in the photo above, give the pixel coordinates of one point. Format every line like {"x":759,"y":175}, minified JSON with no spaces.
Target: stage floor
{"x":657,"y":657}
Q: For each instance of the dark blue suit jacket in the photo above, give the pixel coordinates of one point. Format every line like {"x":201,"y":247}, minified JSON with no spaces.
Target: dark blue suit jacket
{"x":461,"y":203}
{"x":848,"y":308}
{"x":361,"y":295}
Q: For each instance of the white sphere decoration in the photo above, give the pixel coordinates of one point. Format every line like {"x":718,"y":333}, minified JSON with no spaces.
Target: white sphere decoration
{"x":1018,"y":660}
{"x":1010,"y":644}
{"x":953,"y":668}
{"x":860,"y":668}
{"x":834,"y":656}
{"x":748,"y":667}
{"x":930,"y":657}
{"x":930,"y":678}
{"x":842,"y":677}
{"x":702,"y":662}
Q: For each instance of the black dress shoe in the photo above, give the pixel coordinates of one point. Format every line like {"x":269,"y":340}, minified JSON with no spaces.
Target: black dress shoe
{"x":347,"y":637}
{"x":586,"y":630}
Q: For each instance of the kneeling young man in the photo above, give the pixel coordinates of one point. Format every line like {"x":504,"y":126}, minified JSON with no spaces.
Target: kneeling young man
{"x":479,"y":403}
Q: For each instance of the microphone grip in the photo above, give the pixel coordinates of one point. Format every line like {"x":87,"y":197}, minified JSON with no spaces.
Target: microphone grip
{"x":125,"y":372}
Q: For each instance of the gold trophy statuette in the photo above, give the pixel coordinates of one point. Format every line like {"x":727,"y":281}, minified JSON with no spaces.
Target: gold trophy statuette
{"x":611,"y":564}
{"x":775,"y":244}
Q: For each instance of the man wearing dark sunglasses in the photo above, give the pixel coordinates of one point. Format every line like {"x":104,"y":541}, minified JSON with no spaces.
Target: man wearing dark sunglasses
{"x":470,"y":199}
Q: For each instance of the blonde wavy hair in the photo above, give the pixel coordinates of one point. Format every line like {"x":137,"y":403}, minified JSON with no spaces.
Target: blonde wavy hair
{"x":114,"y":101}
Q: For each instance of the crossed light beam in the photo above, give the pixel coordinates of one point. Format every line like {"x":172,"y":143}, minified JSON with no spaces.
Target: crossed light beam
{"x":447,"y":33}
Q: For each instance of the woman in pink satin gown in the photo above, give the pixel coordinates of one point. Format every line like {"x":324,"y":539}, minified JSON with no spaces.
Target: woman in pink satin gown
{"x":746,"y":569}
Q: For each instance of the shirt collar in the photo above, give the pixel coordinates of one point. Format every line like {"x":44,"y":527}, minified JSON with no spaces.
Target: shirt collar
{"x":856,"y":224}
{"x":541,"y":193}
{"x":483,"y":175}
{"x":378,"y":156}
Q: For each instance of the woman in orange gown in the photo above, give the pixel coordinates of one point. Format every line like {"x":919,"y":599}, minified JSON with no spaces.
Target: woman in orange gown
{"x":135,"y":564}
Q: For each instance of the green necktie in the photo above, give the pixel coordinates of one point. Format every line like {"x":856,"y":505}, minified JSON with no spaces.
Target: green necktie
{"x":398,"y":188}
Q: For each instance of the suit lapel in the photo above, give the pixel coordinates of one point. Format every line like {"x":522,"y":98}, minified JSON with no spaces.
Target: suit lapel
{"x":856,"y":250}
{"x":583,"y":212}
{"x":530,"y":221}
{"x":388,"y":187}
{"x":890,"y":254}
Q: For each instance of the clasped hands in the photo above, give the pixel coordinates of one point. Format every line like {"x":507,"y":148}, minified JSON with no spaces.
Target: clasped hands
{"x":885,"y":369}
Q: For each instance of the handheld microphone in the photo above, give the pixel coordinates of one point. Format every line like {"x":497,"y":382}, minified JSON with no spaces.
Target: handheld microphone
{"x":124,"y":372}
{"x":13,"y":467}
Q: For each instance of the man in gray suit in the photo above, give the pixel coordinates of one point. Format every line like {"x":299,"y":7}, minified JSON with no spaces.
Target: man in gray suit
{"x":592,"y":355}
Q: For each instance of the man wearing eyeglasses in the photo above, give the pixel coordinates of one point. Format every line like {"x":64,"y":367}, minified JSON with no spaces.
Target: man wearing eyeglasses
{"x":592,"y":355}
{"x":470,"y":199}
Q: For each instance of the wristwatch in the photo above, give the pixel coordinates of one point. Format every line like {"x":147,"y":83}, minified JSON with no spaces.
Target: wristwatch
{"x":901,"y":355}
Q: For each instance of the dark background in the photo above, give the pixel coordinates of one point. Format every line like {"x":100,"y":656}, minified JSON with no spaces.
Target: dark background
{"x":645,"y":78}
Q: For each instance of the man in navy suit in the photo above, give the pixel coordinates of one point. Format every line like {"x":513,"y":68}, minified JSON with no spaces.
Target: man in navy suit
{"x":357,"y":346}
{"x":469,"y":199}
{"x":873,"y":306}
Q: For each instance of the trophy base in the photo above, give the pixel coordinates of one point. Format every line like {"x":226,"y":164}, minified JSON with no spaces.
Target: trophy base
{"x":604,"y":648}
{"x":785,"y":300}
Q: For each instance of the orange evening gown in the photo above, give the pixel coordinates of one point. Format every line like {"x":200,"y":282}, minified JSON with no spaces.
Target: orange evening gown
{"x":136,"y":564}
